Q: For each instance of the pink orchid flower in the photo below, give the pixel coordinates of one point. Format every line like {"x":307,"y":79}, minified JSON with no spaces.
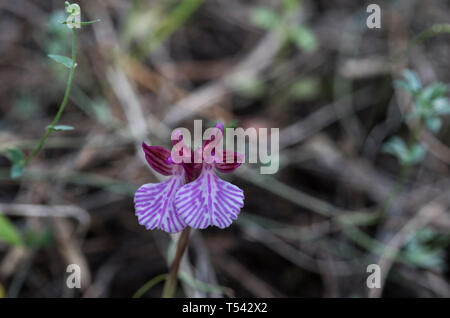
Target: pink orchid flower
{"x":209,"y":200}
{"x":205,"y":200}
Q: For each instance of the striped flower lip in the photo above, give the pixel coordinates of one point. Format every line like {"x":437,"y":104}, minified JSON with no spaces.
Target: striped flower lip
{"x":209,"y":201}
{"x":154,"y":204}
{"x":194,"y":195}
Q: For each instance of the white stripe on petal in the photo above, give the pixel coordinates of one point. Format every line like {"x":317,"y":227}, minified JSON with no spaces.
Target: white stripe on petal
{"x":154,"y":205}
{"x":209,"y":201}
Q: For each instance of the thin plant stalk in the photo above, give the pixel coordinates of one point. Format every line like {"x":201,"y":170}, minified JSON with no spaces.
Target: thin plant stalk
{"x":171,"y":282}
{"x":63,"y":103}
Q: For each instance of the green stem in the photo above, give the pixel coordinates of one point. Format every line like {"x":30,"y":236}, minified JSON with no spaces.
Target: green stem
{"x":146,"y":287}
{"x":61,"y":107}
{"x":171,"y":282}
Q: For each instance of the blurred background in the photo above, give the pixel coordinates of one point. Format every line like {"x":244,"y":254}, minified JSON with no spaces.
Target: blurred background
{"x":364,"y":146}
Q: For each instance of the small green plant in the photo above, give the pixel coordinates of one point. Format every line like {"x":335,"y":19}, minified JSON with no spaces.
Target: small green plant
{"x":8,"y":232}
{"x":426,"y":248}
{"x":428,"y":104}
{"x":299,"y":34}
{"x":17,"y":157}
{"x":406,"y":154}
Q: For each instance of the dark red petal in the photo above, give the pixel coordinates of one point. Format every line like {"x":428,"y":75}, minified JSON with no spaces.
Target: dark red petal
{"x":157,"y":158}
{"x":229,"y":162}
{"x":192,"y":171}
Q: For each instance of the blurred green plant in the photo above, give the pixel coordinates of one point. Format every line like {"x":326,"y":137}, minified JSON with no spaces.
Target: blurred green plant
{"x":407,"y":155}
{"x":299,"y":34}
{"x":187,"y":279}
{"x":169,"y":23}
{"x":15,"y":155}
{"x":303,"y":89}
{"x":249,"y":85}
{"x":10,"y":235}
{"x":425,"y":248}
{"x":8,"y":232}
{"x":428,"y":104}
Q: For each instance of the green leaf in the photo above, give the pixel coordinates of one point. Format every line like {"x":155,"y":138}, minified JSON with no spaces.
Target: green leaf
{"x":249,"y":86}
{"x":18,"y":160}
{"x":84,"y":22}
{"x":416,"y":154}
{"x":15,"y":155}
{"x":8,"y":232}
{"x":264,"y":18}
{"x":89,"y":22}
{"x":64,"y":60}
{"x":304,"y":38}
{"x":433,"y":91}
{"x":17,"y":171}
{"x":412,"y":80}
{"x":304,"y":89}
{"x":424,"y":250}
{"x":396,"y":147}
{"x":407,"y":156}
{"x":146,"y":287}
{"x":37,"y":239}
{"x":441,"y":106}
{"x":60,"y":128}
{"x":433,"y":123}
{"x":291,"y":5}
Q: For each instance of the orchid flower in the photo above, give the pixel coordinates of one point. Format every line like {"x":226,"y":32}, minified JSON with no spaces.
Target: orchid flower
{"x":209,"y":200}
{"x":205,"y":200}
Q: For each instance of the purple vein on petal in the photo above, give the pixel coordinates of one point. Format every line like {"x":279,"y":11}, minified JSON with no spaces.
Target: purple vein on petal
{"x":209,"y":201}
{"x":154,"y":205}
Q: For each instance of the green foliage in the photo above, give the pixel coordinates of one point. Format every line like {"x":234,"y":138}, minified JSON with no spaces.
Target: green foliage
{"x":64,"y":60}
{"x":411,"y":82}
{"x":8,"y":232}
{"x":304,"y":89}
{"x":406,"y":155}
{"x":265,"y":18}
{"x":249,"y":86}
{"x":148,"y":285}
{"x":425,"y":248}
{"x":60,"y":128}
{"x":169,"y":25}
{"x":304,"y":38}
{"x":299,"y":35}
{"x":17,"y":158}
{"x":429,"y":102}
{"x":19,"y":165}
{"x":38,"y":239}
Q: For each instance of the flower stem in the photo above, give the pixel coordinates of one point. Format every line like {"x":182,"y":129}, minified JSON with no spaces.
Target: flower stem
{"x":171,"y":282}
{"x":61,"y":107}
